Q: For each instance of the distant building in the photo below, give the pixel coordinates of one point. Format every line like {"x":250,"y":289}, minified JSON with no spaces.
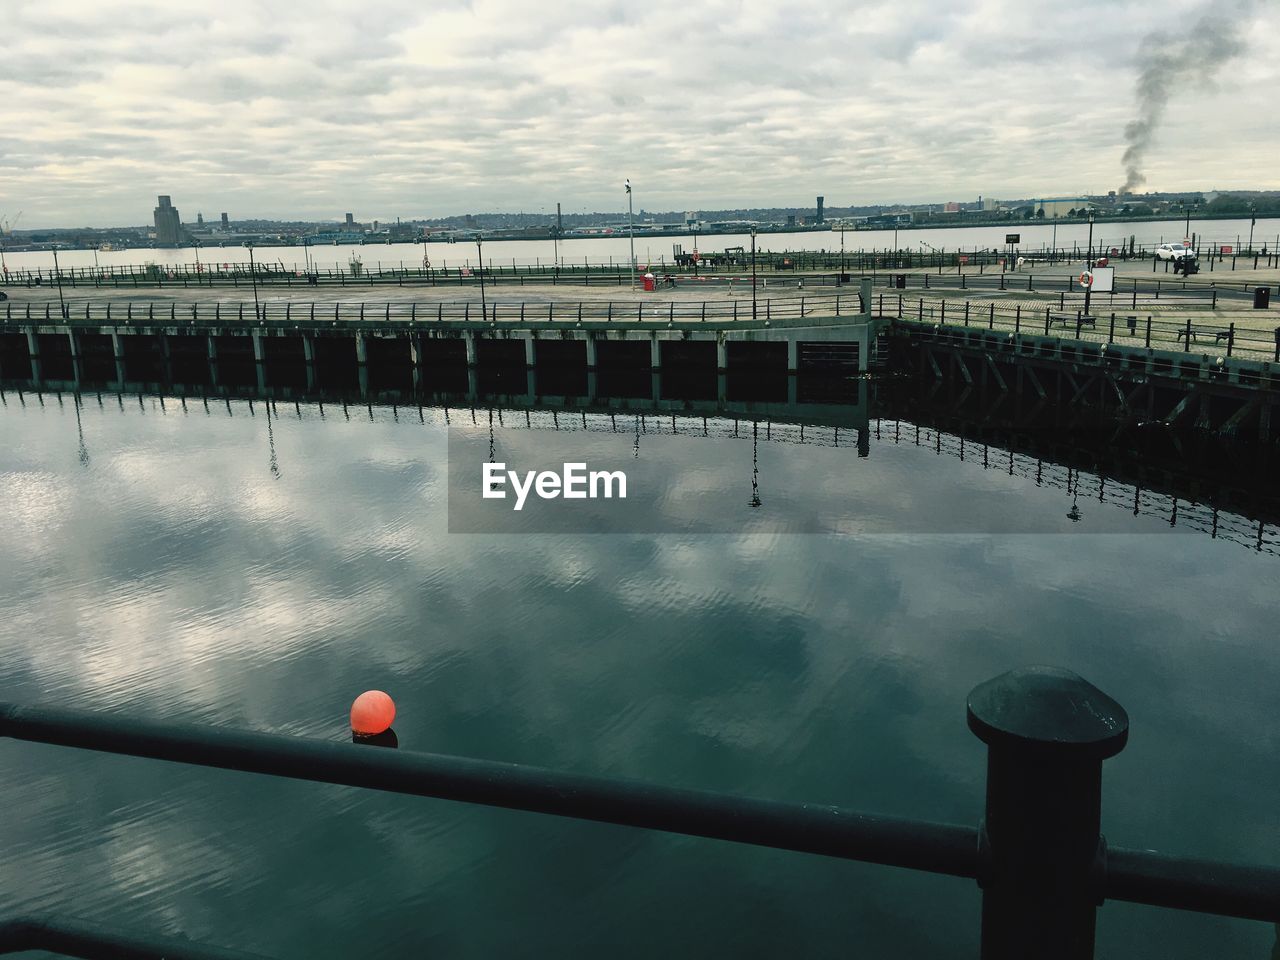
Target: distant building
{"x":952,"y":206}
{"x":989,"y":203}
{"x":1058,"y":207}
{"x":350,"y":221}
{"x":226,"y":227}
{"x":791,"y":219}
{"x":889,"y":220}
{"x":168,"y":222}
{"x":820,"y":201}
{"x":200,"y":219}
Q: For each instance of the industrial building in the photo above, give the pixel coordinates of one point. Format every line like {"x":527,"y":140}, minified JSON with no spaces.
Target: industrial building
{"x":168,"y":222}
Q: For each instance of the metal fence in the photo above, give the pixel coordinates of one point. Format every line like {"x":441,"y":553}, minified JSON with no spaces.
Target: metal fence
{"x":1226,"y":254}
{"x":1068,"y":319}
{"x":1140,"y":290}
{"x":107,"y":312}
{"x":1037,"y":852}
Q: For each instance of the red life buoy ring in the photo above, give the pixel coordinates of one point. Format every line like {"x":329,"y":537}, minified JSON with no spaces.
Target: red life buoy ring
{"x":1086,"y":279}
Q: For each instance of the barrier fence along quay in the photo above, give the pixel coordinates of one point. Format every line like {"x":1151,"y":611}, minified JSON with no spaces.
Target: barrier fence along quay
{"x":405,"y":313}
{"x":1068,"y":320}
{"x":1121,"y":322}
{"x":617,"y":271}
{"x":221,"y":260}
{"x":1037,"y":854}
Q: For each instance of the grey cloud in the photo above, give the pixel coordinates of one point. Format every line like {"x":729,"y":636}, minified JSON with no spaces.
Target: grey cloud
{"x":714,"y":104}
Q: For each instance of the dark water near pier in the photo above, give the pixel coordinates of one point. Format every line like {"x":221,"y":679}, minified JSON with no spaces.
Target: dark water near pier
{"x":236,"y":569}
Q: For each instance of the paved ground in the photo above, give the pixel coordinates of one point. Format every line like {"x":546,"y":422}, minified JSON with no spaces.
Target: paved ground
{"x":1050,"y":288}
{"x":686,"y":291}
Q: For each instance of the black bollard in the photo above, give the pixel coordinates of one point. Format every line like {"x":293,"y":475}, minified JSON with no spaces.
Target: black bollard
{"x":1047,"y":732}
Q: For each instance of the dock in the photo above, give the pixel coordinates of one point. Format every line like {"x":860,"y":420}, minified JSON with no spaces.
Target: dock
{"x":529,"y":346}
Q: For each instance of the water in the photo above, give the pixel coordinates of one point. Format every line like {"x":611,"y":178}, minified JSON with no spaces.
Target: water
{"x":254,"y":571}
{"x":654,"y":250}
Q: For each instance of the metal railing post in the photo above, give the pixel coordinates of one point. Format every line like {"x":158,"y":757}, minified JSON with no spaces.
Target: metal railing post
{"x":1047,"y":732}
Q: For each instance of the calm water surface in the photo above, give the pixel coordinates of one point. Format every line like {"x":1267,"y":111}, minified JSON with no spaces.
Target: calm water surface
{"x":235,"y":570}
{"x":1035,"y":236}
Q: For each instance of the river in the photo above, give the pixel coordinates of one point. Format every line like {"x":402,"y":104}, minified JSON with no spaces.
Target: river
{"x":258,"y":569}
{"x":654,"y":250}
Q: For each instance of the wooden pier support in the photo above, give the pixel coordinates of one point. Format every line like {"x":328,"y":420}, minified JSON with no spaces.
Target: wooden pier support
{"x":33,"y":353}
{"x":77,"y":369}
{"x":212,"y":346}
{"x":259,"y":360}
{"x":117,"y":353}
{"x":309,"y":359}
{"x":415,"y":360}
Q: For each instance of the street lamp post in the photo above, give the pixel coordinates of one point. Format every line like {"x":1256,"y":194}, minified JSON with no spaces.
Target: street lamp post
{"x":631,"y":234}
{"x":480,"y":274}
{"x":695,"y":251}
{"x":1186,"y":230}
{"x":253,"y":276}
{"x":753,"y":273}
{"x":842,"y":254}
{"x":196,"y":244}
{"x":58,"y":276}
{"x":1253,"y":219}
{"x":1089,"y":286}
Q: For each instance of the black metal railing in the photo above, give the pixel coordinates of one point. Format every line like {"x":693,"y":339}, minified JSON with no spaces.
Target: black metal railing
{"x":1037,"y":853}
{"x":77,"y":938}
{"x":213,"y":269}
{"x":406,"y":313}
{"x":1107,"y":323}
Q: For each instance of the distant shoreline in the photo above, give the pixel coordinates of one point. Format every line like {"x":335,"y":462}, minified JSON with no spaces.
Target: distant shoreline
{"x":465,"y":236}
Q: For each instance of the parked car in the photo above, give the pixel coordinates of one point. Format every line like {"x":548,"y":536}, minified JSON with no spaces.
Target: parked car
{"x":1174,"y":251}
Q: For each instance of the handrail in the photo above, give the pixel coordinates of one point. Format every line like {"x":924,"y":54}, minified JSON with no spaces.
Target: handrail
{"x":807,"y":828}
{"x":1202,"y":886}
{"x":77,"y":938}
{"x":1037,"y":854}
{"x":852,"y":259}
{"x":526,"y":313}
{"x":1105,"y":326}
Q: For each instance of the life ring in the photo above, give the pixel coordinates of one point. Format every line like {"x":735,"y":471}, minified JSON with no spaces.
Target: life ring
{"x":1086,"y":279}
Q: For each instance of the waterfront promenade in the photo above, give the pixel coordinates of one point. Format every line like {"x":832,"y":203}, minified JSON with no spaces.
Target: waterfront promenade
{"x":1220,"y":300}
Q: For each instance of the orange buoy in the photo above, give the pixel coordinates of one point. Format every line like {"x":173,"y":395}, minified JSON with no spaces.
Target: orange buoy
{"x":372,"y":713}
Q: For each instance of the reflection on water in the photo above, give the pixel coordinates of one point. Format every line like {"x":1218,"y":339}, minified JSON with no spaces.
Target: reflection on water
{"x":257,"y":564}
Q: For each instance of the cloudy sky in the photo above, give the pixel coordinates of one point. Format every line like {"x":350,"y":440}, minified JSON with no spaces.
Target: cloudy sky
{"x":416,"y":109}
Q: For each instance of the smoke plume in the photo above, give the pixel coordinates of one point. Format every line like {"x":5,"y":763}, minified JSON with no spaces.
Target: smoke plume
{"x":1179,"y":62}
